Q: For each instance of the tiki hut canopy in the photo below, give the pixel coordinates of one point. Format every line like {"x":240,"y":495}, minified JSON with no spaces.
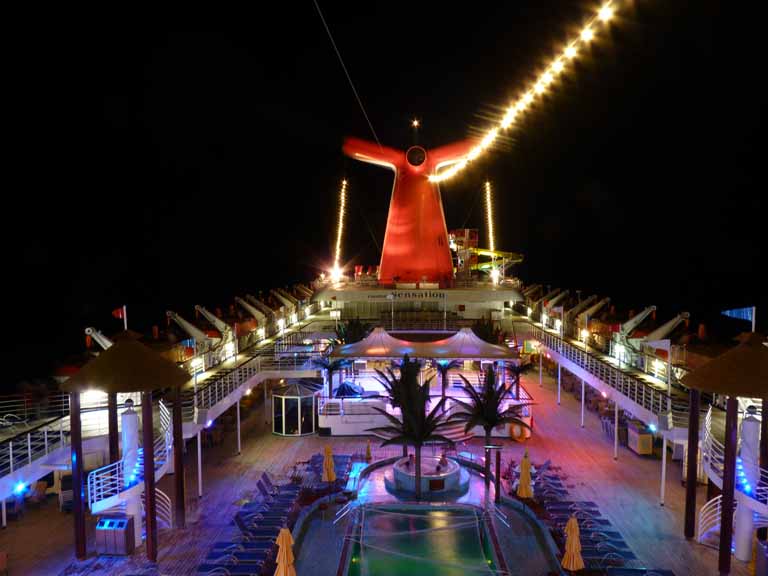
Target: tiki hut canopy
{"x":742,"y":371}
{"x":127,"y":366}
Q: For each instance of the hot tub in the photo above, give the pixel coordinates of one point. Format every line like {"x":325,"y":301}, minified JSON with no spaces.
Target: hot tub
{"x":435,"y":477}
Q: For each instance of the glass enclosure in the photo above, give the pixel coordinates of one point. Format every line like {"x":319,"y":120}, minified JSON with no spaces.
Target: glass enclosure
{"x":294,"y":408}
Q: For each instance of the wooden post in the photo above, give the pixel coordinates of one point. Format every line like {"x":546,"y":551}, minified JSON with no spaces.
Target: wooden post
{"x":729,"y":482}
{"x":78,"y":495}
{"x":694,"y":397}
{"x":178,"y":460}
{"x":762,"y":533}
{"x":114,"y":440}
{"x":148,"y":441}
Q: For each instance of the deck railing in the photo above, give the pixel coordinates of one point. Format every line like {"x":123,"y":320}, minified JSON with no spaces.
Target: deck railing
{"x":655,"y":401}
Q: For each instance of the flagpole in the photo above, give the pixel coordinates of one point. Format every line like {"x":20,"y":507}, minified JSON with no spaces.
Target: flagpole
{"x":125,"y":317}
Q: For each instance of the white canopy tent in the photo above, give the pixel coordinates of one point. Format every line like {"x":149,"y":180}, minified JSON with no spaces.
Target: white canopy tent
{"x":464,"y":345}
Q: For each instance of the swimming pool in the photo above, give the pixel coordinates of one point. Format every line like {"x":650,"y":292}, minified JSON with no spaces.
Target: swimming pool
{"x":425,"y":540}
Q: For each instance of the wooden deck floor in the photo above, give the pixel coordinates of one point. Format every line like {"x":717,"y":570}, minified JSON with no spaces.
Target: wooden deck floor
{"x":626,"y":491}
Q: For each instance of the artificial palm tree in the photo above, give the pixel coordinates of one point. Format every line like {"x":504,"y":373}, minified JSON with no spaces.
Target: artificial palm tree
{"x":416,"y":425}
{"x":486,"y":330}
{"x":485,"y":409}
{"x":330,"y":366}
{"x":443,"y":368}
{"x":393,"y":388}
{"x":352,"y":330}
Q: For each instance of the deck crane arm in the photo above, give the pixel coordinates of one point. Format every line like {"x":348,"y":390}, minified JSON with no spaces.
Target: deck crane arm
{"x":591,"y":311}
{"x":544,"y":298}
{"x":220,"y":325}
{"x":102,"y":340}
{"x":289,"y":306}
{"x":530,"y":290}
{"x":628,"y":327}
{"x":551,"y":304}
{"x":198,"y":335}
{"x":665,"y":329}
{"x":288,"y":296}
{"x":252,"y":310}
{"x":579,"y":307}
{"x":268,"y":312}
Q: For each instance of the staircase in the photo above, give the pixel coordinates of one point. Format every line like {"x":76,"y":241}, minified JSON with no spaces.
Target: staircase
{"x":109,"y":486}
{"x":710,"y":515}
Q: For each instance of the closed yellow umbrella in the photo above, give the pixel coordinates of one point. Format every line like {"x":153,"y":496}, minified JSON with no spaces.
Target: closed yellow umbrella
{"x":329,"y":472}
{"x":524,"y":485}
{"x":285,"y":554}
{"x":572,"y":560}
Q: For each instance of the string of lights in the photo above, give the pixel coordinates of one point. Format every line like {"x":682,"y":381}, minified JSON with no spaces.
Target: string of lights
{"x":340,"y":229}
{"x":542,"y":83}
{"x":489,"y":215}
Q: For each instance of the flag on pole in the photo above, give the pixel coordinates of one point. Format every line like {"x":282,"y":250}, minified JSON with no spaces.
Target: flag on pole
{"x":121,"y":313}
{"x":748,"y":314}
{"x":740,"y":313}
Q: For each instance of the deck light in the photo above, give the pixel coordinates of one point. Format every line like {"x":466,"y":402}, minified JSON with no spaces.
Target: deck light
{"x":606,"y":13}
{"x":208,"y":424}
{"x":19,"y":488}
{"x":538,"y":87}
{"x":652,"y":428}
{"x":340,"y":227}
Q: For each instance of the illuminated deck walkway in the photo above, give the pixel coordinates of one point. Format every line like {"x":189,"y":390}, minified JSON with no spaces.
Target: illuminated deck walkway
{"x":625,"y":491}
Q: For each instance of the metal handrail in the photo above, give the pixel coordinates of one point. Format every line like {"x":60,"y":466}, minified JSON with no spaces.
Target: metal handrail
{"x":656,"y":401}
{"x":109,"y":480}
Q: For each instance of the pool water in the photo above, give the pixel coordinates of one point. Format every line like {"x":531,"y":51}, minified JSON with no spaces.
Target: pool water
{"x":413,"y":540}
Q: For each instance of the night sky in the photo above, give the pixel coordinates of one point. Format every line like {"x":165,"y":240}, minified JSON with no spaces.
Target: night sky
{"x":163,"y":160}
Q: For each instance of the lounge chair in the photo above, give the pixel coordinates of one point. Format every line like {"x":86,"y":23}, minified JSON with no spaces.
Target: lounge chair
{"x":243,"y":546}
{"x":274,"y":497}
{"x":229,"y":569}
{"x":249,"y":557}
{"x":280,"y":488}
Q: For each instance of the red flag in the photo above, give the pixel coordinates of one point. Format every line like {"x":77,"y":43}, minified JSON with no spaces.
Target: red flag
{"x":118,"y":312}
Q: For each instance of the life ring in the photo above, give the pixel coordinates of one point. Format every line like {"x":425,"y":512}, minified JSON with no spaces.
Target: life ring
{"x":517,"y":432}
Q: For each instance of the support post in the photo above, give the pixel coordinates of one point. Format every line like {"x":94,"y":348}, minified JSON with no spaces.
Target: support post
{"x":729,"y":478}
{"x":663,"y":470}
{"x":266,"y":408}
{"x":114,"y":442}
{"x":615,"y":430}
{"x":150,"y":510}
{"x":694,"y":397}
{"x":541,"y":381}
{"x":78,"y":496}
{"x":5,"y":519}
{"x":238,"y":426}
{"x":762,"y":533}
{"x":582,"y":403}
{"x":487,"y":466}
{"x":497,"y":479}
{"x":559,"y":375}
{"x":199,"y":466}
{"x":178,"y":460}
